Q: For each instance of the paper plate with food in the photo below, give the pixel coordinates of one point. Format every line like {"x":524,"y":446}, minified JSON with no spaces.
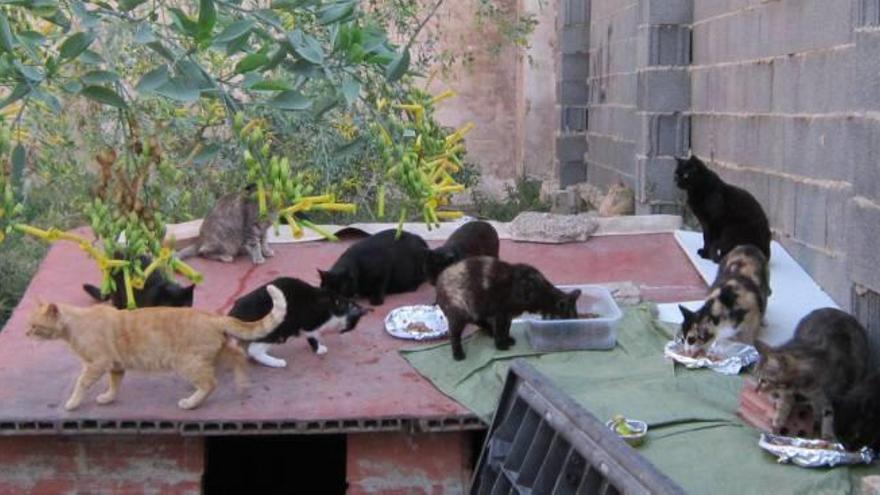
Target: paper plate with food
{"x":421,"y":322}
{"x":728,"y":358}
{"x":806,"y":452}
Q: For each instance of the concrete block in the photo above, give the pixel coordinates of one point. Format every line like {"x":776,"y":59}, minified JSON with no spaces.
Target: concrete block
{"x":575,"y":12}
{"x":780,"y":206}
{"x":601,"y":175}
{"x":664,"y":45}
{"x":573,"y":92}
{"x":575,"y":67}
{"x":664,"y":134}
{"x":663,"y":90}
{"x":828,"y":270}
{"x":667,"y":11}
{"x":575,"y":39}
{"x":819,"y":148}
{"x":573,"y":119}
{"x":619,"y":89}
{"x":866,"y":83}
{"x":619,"y":154}
{"x":614,"y":121}
{"x":656,"y":180}
{"x":819,"y":82}
{"x":865,"y":171}
{"x":868,"y":13}
{"x":570,"y":147}
{"x":863,"y":230}
{"x":820,"y":216}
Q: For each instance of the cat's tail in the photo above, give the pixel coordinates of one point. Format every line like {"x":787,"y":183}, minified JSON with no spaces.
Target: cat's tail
{"x":258,"y":329}
{"x":95,"y":292}
{"x":189,"y":251}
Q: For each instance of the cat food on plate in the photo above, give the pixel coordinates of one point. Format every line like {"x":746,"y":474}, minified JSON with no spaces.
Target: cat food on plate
{"x":422,"y":322}
{"x":595,"y":327}
{"x":812,"y":453}
{"x":727,"y":360}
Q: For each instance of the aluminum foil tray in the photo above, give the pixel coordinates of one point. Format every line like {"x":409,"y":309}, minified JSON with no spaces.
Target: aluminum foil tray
{"x":812,"y":453}
{"x":422,"y":322}
{"x":729,"y":360}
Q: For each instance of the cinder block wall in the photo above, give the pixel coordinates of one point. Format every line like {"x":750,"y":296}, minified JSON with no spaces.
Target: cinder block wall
{"x":781,"y":96}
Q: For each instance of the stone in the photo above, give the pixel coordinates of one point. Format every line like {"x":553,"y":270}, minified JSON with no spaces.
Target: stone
{"x":552,"y":228}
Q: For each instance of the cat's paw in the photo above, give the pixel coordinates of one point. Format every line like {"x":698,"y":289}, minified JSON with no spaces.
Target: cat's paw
{"x":258,"y":260}
{"x":458,"y":356}
{"x":105,"y":398}
{"x":187,"y":403}
{"x":321,"y":350}
{"x":377,"y":300}
{"x":71,"y":404}
{"x":268,"y":252}
{"x":702,"y":253}
{"x":225,"y":258}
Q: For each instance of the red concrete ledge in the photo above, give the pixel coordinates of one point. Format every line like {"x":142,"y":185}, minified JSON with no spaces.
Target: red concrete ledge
{"x":362,"y":384}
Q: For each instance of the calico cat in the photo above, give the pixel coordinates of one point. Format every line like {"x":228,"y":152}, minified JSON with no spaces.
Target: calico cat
{"x":729,"y":216}
{"x":378,"y":265}
{"x":857,"y":414}
{"x":186,"y":340}
{"x":828,"y":354}
{"x":157,"y":291}
{"x":309,"y":309}
{"x":734,"y":309}
{"x":475,"y":238}
{"x":489,"y":293}
{"x":233,"y":226}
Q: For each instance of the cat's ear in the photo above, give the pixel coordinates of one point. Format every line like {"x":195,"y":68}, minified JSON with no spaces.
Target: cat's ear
{"x":51,"y":310}
{"x":686,"y":313}
{"x":763,"y":348}
{"x":322,"y":274}
{"x":574,"y":295}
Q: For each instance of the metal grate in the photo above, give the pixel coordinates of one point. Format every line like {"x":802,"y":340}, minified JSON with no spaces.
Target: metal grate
{"x":205,"y":428}
{"x":541,"y":441}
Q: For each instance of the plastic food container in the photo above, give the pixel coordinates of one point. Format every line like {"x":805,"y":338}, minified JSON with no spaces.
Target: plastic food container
{"x":577,"y":334}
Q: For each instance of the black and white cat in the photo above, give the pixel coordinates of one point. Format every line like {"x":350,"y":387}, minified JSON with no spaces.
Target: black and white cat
{"x":157,"y":291}
{"x":378,"y":265}
{"x":309,"y":310}
{"x":730,"y":216}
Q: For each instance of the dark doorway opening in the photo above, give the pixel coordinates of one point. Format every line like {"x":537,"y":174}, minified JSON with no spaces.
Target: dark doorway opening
{"x":275,"y":464}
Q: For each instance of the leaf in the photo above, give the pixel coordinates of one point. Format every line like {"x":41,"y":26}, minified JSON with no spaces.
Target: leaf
{"x":324,"y":105}
{"x":372,"y":38}
{"x":251,"y":62}
{"x":89,"y":19}
{"x":351,"y":89}
{"x":75,"y":44}
{"x":234,"y":31}
{"x":307,"y":47}
{"x":99,"y":77}
{"x":19,"y":92}
{"x":207,"y":18}
{"x":6,"y":39}
{"x":103,"y":94}
{"x":177,"y":89}
{"x":19,"y":159}
{"x":91,"y":57}
{"x":290,"y":100}
{"x":336,"y":12}
{"x":398,"y":66}
{"x":184,"y":24}
{"x":129,"y":5}
{"x":159,"y":48}
{"x":153,"y":79}
{"x":207,"y":154}
{"x":193,"y":75}
{"x":271,"y":85}
{"x":30,"y":72}
{"x":49,"y":99}
{"x":72,"y":86}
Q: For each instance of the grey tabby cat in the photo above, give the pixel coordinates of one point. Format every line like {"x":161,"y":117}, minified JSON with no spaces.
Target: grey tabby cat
{"x":234,"y":226}
{"x":826,"y":357}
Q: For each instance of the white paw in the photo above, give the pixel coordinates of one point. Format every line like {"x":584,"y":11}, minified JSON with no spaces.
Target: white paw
{"x":322,"y":349}
{"x":226,"y":258}
{"x":270,"y":361}
{"x":71,"y":405}
{"x":105,"y":398}
{"x":268,"y":252}
{"x":186,"y":403}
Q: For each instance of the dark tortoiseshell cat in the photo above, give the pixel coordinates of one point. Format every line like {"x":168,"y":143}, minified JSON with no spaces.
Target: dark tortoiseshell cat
{"x":157,"y":291}
{"x":826,"y":357}
{"x":735,"y":307}
{"x":729,"y":216}
{"x":232,"y":227}
{"x":489,"y":293}
{"x":857,"y":414}
{"x":475,"y":238}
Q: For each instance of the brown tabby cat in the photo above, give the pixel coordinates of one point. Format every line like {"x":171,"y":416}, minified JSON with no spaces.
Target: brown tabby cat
{"x":233,"y":226}
{"x":826,"y":357}
{"x":185,"y":340}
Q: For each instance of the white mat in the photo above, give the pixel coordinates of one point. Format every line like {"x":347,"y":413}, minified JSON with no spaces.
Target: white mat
{"x":795,"y":293}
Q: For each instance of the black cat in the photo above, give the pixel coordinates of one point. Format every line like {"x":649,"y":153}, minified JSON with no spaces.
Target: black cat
{"x":489,"y":293}
{"x":309,"y":309}
{"x":476,"y":238}
{"x":730,"y":216}
{"x":857,"y":414}
{"x":157,"y":291}
{"x":378,"y":265}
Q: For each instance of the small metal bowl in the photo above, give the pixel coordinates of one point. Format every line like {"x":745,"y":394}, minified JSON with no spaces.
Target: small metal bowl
{"x":636,"y":439}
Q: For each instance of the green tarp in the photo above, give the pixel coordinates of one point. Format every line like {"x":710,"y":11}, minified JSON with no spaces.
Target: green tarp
{"x":694,"y":437}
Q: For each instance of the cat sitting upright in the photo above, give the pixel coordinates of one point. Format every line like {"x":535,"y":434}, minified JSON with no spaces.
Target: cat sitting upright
{"x":378,"y":265}
{"x":474,"y":238}
{"x":233,"y":226}
{"x":729,"y":216}
{"x":826,"y":357}
{"x":186,"y":340}
{"x":734,"y":310}
{"x":489,"y":293}
{"x":157,"y":291}
{"x":309,"y":309}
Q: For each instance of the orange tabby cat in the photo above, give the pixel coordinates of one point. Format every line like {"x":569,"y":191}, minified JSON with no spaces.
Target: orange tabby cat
{"x":185,"y":340}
